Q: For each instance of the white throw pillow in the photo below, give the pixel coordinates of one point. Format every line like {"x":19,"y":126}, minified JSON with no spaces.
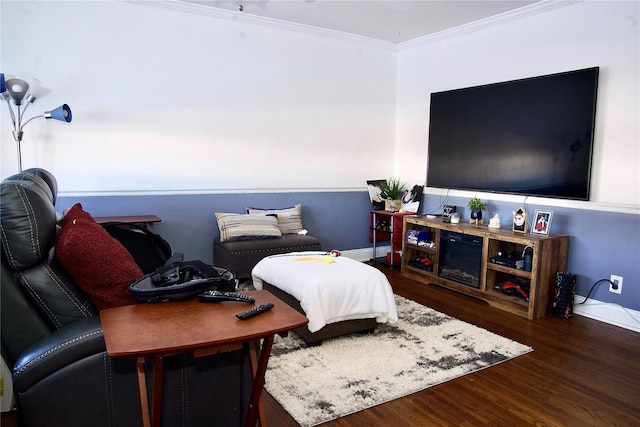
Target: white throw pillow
{"x":289,"y":219}
{"x":235,"y":226}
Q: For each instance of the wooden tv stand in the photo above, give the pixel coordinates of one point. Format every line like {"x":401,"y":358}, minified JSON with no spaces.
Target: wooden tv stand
{"x":549,"y":258}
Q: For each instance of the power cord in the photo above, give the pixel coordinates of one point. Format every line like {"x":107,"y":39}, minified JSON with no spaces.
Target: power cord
{"x":443,"y":193}
{"x":593,"y":287}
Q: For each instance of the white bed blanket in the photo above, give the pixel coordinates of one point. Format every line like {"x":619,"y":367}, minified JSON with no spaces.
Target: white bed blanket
{"x":330,"y":289}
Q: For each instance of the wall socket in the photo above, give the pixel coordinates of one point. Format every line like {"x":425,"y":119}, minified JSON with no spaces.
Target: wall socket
{"x":618,"y":280}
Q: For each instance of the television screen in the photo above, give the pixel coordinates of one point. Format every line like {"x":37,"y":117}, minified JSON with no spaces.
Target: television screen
{"x":532,"y":136}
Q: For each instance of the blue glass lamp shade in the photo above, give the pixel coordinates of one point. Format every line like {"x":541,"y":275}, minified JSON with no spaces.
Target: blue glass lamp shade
{"x":62,"y":113}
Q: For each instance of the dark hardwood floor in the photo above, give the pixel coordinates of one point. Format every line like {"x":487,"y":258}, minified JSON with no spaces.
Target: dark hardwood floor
{"x":581,"y":373}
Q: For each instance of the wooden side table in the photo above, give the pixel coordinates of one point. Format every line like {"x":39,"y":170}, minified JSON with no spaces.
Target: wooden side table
{"x":393,"y":233}
{"x":143,"y":220}
{"x":154,"y":331}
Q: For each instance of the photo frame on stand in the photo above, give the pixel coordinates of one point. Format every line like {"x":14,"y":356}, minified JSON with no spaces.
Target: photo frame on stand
{"x":520,"y":221}
{"x":541,"y":222}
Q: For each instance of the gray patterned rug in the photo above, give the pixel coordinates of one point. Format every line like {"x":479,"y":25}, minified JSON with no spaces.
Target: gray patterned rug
{"x":348,"y":374}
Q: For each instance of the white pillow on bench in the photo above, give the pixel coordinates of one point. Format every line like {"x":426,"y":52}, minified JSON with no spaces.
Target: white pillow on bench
{"x":235,"y":226}
{"x":289,"y":219}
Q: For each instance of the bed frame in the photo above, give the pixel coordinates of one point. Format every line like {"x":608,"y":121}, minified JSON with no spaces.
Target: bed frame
{"x":331,"y":330}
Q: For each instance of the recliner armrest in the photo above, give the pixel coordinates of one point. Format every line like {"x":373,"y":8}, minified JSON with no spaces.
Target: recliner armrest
{"x":63,"y":347}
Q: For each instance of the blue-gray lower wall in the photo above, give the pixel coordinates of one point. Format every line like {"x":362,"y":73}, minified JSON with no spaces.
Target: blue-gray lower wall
{"x":338,"y":219}
{"x":601,"y":243}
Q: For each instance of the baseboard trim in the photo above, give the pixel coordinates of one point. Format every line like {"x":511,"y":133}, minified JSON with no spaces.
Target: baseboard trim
{"x":607,"y":312}
{"x":613,"y":314}
{"x":365,"y":254}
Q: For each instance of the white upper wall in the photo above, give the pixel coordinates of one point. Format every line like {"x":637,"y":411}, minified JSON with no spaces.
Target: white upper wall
{"x":581,"y":35}
{"x":166,"y":100}
{"x":171,"y":100}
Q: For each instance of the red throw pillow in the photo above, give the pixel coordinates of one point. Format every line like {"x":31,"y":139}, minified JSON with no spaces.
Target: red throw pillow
{"x":98,"y":263}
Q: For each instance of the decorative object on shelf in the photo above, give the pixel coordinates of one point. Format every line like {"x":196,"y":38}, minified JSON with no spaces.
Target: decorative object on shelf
{"x":19,"y":90}
{"x":447,"y":211}
{"x":477,"y":206}
{"x":495,"y":221}
{"x":542,"y":222}
{"x":392,"y":205}
{"x":391,"y":191}
{"x":411,"y":199}
{"x":373,"y":186}
{"x":455,"y":218}
{"x":520,"y":221}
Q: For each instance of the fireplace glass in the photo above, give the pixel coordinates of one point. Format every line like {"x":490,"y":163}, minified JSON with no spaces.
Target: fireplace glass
{"x":460,"y":258}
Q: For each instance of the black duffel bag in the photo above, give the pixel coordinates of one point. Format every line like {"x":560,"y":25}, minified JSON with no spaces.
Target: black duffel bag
{"x":149,"y":250}
{"x":182,"y":280}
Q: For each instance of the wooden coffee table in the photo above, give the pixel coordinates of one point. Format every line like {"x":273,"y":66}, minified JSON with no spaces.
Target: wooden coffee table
{"x":156,"y":330}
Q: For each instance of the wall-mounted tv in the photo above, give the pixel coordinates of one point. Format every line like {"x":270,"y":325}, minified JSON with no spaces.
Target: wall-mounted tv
{"x":532,"y":136}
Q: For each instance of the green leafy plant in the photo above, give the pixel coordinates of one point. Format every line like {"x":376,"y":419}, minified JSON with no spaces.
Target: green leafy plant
{"x":476,"y":204}
{"x":393,"y":189}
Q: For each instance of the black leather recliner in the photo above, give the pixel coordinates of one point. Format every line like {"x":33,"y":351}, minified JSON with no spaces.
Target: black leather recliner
{"x":52,"y":337}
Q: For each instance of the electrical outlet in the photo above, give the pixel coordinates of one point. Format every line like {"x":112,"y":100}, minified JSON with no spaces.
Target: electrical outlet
{"x":617,"y":280}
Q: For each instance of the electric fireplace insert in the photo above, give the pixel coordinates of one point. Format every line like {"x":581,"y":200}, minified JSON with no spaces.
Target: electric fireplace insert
{"x":460,"y":258}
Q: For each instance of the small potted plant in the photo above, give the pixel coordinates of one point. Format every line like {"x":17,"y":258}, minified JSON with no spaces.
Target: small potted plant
{"x":391,"y":192}
{"x":477,"y":206}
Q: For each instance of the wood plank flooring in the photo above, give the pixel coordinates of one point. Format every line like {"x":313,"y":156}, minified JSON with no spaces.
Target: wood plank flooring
{"x":581,"y":373}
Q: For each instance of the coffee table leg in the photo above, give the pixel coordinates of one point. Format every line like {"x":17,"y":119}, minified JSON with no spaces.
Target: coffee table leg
{"x":253,"y":356}
{"x":142,"y":390}
{"x":258,"y":382}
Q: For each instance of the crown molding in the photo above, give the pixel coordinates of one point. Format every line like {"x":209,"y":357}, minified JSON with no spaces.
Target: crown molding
{"x":233,"y":16}
{"x":533,"y":9}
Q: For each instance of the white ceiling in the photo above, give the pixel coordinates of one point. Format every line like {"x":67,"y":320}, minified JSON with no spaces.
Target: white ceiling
{"x":388,"y":20}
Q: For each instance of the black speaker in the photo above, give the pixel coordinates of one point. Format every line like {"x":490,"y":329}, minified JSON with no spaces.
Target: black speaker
{"x":565,"y":294}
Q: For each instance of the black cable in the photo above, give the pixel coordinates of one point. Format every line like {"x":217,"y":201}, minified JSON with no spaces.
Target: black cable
{"x":594,"y":285}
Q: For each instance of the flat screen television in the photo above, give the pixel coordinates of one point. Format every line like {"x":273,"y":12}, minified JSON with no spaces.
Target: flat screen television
{"x":532,"y":136}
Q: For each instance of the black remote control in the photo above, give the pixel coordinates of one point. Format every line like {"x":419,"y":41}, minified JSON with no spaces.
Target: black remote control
{"x":255,"y":311}
{"x":217,"y":296}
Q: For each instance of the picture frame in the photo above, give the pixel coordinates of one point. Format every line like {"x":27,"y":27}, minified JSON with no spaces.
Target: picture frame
{"x":541,"y":222}
{"x":519,"y":221}
{"x":373,"y":186}
{"x":412,"y":199}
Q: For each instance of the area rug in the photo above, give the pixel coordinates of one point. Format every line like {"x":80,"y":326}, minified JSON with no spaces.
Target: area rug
{"x":348,"y":374}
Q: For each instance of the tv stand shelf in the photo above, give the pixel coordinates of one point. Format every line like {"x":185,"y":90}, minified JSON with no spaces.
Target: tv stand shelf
{"x":549,"y":256}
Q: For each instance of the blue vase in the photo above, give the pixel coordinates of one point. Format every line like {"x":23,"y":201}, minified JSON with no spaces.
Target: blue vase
{"x":476,"y":214}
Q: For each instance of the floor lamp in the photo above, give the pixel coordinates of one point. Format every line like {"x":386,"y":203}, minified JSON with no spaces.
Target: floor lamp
{"x":17,"y":90}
